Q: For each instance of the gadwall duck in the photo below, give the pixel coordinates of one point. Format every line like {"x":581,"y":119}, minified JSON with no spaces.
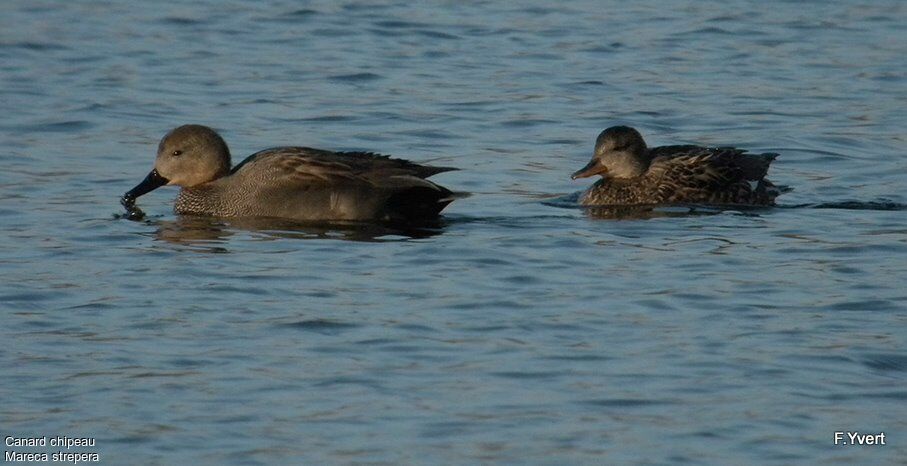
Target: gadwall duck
{"x":289,"y":182}
{"x":635,"y":174}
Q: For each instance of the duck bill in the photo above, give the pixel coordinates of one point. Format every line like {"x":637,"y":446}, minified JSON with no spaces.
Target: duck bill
{"x":594,"y":167}
{"x":151,"y":182}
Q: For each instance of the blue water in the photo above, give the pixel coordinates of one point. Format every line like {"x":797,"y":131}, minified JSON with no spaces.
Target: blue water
{"x":520,"y":330}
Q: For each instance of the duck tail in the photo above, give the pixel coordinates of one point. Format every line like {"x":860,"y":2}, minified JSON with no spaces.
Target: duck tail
{"x":418,"y":202}
{"x":426,"y":171}
{"x":414,"y":198}
{"x":454,"y":195}
{"x":766,"y":191}
{"x":755,"y":166}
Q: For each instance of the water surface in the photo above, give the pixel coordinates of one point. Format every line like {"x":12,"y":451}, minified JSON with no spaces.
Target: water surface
{"x":515,"y":331}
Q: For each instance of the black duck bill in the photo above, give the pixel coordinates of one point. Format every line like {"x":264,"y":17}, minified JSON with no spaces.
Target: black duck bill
{"x":594,"y":167}
{"x":151,"y":182}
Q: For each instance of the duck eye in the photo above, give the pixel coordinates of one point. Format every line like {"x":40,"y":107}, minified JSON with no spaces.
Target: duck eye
{"x":177,"y":153}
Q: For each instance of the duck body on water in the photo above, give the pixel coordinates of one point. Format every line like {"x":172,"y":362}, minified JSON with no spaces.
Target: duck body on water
{"x":298,"y":183}
{"x":634,"y":174}
{"x":308,"y":184}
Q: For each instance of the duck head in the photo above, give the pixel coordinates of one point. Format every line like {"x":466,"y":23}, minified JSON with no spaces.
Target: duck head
{"x":187,"y":156}
{"x":620,"y":152}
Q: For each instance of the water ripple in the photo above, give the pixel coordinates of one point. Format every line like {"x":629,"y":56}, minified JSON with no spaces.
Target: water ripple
{"x":520,"y":328}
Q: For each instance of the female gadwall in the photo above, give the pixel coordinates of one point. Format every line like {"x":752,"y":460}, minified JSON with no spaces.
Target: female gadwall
{"x":635,"y":174}
{"x":290,"y":182}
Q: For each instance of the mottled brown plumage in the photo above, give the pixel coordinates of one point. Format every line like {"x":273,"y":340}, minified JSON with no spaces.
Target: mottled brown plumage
{"x":291,"y":182}
{"x":635,"y":174}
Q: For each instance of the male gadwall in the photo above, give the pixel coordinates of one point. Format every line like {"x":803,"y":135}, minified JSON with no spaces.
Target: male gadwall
{"x":290,"y":182}
{"x":635,"y":174}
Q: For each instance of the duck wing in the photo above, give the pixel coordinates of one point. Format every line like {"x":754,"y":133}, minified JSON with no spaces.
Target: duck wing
{"x":708,"y":174}
{"x":712,"y":165}
{"x":673,"y":151}
{"x":310,"y":166}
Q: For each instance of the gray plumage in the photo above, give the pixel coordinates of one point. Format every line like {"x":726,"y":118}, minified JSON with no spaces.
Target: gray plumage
{"x":292,"y":182}
{"x":682,"y":174}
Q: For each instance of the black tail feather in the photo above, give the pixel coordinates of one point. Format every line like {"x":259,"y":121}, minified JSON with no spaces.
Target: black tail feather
{"x":418,"y":202}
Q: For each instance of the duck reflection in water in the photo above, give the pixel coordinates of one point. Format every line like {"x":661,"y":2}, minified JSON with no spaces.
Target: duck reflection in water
{"x":212,"y":233}
{"x":647,"y":212}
